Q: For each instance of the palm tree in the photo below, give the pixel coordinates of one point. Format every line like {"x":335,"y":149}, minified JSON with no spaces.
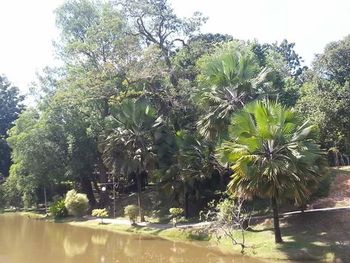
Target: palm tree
{"x":228,"y":80}
{"x":271,"y":156}
{"x":127,"y":146}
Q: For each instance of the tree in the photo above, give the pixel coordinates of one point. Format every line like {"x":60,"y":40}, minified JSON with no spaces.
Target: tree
{"x":10,"y":108}
{"x":229,"y":219}
{"x":37,"y":153}
{"x":190,"y":162}
{"x":292,"y":59}
{"x":186,"y":58}
{"x":271,"y":155}
{"x":156,"y":24}
{"x":127,"y":147}
{"x":97,"y":52}
{"x":229,"y":78}
{"x":334,"y":63}
{"x":327,"y":105}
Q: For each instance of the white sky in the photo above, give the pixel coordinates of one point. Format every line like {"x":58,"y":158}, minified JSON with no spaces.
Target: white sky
{"x":27,"y":27}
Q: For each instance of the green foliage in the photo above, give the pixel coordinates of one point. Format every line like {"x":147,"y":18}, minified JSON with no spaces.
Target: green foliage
{"x":176,"y":213}
{"x":229,"y":78}
{"x":267,"y":139}
{"x":326,"y":104}
{"x":272,"y":156}
{"x":129,"y":136}
{"x":10,"y":108}
{"x":132,"y":212}
{"x":334,"y":62}
{"x":58,"y":209}
{"x":100,"y":213}
{"x":226,"y":210}
{"x":10,"y":104}
{"x":2,"y":197}
{"x":12,"y":193}
{"x":140,"y":92}
{"x":76,"y":203}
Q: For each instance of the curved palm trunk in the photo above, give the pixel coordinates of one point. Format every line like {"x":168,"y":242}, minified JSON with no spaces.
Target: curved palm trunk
{"x":276,"y":221}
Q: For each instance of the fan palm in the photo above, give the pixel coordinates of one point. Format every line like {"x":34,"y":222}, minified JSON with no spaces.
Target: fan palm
{"x":127,"y":146}
{"x":229,"y":80}
{"x":191,"y":164}
{"x":271,"y":156}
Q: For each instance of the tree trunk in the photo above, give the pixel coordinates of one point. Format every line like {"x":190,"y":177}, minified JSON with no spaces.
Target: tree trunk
{"x":276,"y":222}
{"x":139,"y":197}
{"x":87,"y":189}
{"x":186,"y":202}
{"x":222,"y":184}
{"x":45,"y":200}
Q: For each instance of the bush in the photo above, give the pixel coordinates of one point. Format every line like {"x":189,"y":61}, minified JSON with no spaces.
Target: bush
{"x":132,"y":212}
{"x":76,"y":204}
{"x":100,"y":213}
{"x":176,"y":214}
{"x":58,"y":209}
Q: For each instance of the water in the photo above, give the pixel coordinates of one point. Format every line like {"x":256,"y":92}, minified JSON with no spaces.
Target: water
{"x":28,"y":240}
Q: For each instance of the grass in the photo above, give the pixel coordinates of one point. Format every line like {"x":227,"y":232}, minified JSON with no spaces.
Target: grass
{"x":321,"y":236}
{"x":167,"y":233}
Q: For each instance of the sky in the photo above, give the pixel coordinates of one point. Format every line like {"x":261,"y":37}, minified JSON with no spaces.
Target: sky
{"x":27,"y":28}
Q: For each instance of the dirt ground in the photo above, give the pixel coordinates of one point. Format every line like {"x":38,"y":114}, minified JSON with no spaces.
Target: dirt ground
{"x":339,"y":194}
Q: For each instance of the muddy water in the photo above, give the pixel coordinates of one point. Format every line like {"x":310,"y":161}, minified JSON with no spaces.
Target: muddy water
{"x":24,"y":240}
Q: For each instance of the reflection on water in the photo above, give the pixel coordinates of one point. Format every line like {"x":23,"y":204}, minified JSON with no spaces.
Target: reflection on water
{"x":28,"y":240}
{"x":99,"y":239}
{"x":74,"y":246}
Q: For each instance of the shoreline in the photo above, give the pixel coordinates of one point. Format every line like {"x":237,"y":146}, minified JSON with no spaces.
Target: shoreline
{"x":262,"y":249}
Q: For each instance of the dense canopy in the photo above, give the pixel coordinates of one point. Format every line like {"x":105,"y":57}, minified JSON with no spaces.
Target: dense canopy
{"x":144,"y":102}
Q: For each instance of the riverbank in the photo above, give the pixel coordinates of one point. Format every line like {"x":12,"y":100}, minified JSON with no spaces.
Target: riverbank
{"x":320,"y":236}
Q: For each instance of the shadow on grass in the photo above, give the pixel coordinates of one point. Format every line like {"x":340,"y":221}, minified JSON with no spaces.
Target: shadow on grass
{"x":317,"y":236}
{"x":258,"y":230}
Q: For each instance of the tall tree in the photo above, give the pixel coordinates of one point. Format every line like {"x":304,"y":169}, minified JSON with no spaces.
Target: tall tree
{"x":271,"y":155}
{"x":334,"y":62}
{"x":127,"y":147}
{"x":10,"y":107}
{"x":327,"y":105}
{"x":38,"y":158}
{"x":97,"y":51}
{"x":157,"y":24}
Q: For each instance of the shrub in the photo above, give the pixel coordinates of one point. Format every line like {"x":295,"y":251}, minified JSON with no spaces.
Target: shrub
{"x":131,"y":211}
{"x":58,"y":209}
{"x":76,"y":203}
{"x":176,"y":213}
{"x":100,"y":213}
{"x":228,"y":219}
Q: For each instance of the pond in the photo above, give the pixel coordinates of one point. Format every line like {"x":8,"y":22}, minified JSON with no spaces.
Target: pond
{"x":28,"y":240}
